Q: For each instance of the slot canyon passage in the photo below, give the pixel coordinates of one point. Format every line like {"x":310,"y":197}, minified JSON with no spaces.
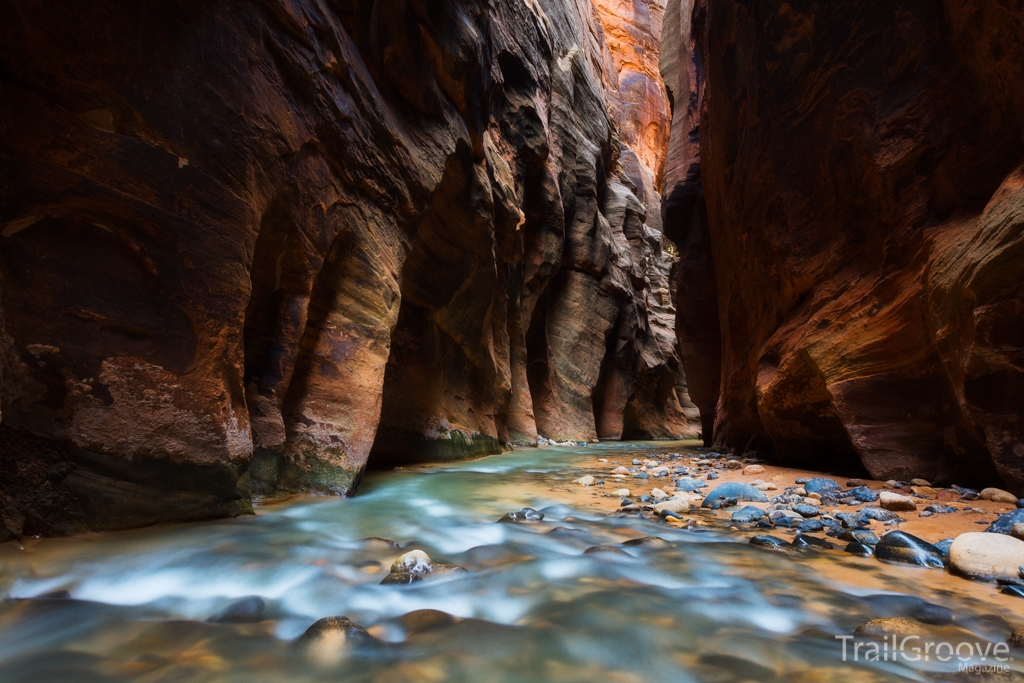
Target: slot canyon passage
{"x":512,"y":340}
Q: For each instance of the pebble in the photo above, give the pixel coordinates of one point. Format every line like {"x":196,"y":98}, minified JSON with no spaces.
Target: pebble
{"x":736,"y":464}
{"x":896,"y":502}
{"x":747,"y":514}
{"x":635,"y":461}
{"x":903,"y":548}
{"x":1017,"y":531}
{"x":920,"y":482}
{"x":586,"y":480}
{"x":754,"y":469}
{"x":770,"y":542}
{"x":985,"y":556}
{"x":620,"y":470}
{"x":658,"y":494}
{"x":858,"y":536}
{"x":943,"y":546}
{"x":998,"y":496}
{"x":801,"y":491}
{"x":712,"y":475}
{"x":523,"y":516}
{"x":939,"y":509}
{"x":736,"y":490}
{"x":810,"y":525}
{"x":414,"y":565}
{"x":926,"y":491}
{"x":605,"y":549}
{"x":766,"y":486}
{"x":622,"y":493}
{"x":852,"y":483}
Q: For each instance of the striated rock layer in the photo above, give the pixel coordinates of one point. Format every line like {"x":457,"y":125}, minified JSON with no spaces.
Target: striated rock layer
{"x":249,"y":248}
{"x":845,"y":183}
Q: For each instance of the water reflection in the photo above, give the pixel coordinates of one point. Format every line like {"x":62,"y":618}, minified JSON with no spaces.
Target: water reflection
{"x":700,"y":606}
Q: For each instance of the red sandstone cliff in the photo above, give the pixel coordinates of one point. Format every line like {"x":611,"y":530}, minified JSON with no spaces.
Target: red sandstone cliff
{"x":845,"y":183}
{"x":255,"y":246}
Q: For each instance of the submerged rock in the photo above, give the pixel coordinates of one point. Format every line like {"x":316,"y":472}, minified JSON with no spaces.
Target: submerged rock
{"x":244,"y":611}
{"x":890,"y":626}
{"x":859,"y":549}
{"x":400,"y":578}
{"x":770,"y":542}
{"x":899,"y":547}
{"x":805,"y":541}
{"x":735,"y":490}
{"x":524,"y":516}
{"x":342,"y":628}
{"x":986,"y":556}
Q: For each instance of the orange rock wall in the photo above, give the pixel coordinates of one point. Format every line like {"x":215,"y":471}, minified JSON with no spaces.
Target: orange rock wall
{"x":848,"y":176}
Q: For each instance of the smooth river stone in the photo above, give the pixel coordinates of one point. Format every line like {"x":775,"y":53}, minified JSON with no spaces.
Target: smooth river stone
{"x":1005,"y":523}
{"x":747,"y":514}
{"x":902,"y":548}
{"x":896,"y":502}
{"x":823,"y":486}
{"x":998,"y":496}
{"x":737,"y":490}
{"x":980,"y":555}
{"x":770,"y":542}
{"x":524,"y":516}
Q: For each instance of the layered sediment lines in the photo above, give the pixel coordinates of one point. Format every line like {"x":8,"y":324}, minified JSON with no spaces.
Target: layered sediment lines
{"x":844,"y":181}
{"x":249,"y":248}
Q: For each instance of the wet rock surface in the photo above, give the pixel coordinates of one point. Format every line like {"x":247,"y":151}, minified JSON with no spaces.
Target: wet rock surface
{"x":902,"y":548}
{"x":830,"y":230}
{"x":399,"y":233}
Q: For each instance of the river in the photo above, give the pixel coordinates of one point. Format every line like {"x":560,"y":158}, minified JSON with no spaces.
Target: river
{"x":702,"y":606}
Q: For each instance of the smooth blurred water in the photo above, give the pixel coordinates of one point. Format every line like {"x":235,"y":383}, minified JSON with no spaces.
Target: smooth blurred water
{"x":705,"y":606}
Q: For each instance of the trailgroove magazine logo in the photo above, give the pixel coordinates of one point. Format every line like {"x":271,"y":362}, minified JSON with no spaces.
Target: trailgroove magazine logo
{"x":895,"y":648}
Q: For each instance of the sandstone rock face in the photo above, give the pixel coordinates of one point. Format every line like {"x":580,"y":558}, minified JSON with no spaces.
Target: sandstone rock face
{"x":845,"y":185}
{"x":260,"y":245}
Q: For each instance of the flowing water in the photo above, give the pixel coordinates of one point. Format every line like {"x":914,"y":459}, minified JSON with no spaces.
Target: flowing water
{"x":705,"y":606}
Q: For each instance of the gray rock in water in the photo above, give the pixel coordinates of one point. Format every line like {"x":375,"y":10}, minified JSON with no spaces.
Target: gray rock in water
{"x":605,"y":549}
{"x":863,"y":494}
{"x":805,"y":541}
{"x":858,"y":536}
{"x":712,"y":475}
{"x":737,"y":490}
{"x":899,"y":547}
{"x":879,"y":514}
{"x":523,"y":516}
{"x":400,"y":578}
{"x":351,"y":631}
{"x":1005,"y":523}
{"x":806,"y":510}
{"x":770,"y":542}
{"x":247,"y":610}
{"x":943,"y":546}
{"x":822,"y":486}
{"x":747,"y":515}
{"x":859,"y":549}
{"x":810,"y":525}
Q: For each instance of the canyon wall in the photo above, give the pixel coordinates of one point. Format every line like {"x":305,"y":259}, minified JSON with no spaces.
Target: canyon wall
{"x":249,"y":248}
{"x":844,"y":182}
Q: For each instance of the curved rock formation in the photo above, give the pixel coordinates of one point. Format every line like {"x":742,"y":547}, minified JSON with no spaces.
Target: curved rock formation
{"x":257,"y":245}
{"x":849,"y":177}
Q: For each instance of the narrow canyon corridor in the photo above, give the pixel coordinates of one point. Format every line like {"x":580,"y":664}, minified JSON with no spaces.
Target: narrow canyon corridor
{"x":543,"y":340}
